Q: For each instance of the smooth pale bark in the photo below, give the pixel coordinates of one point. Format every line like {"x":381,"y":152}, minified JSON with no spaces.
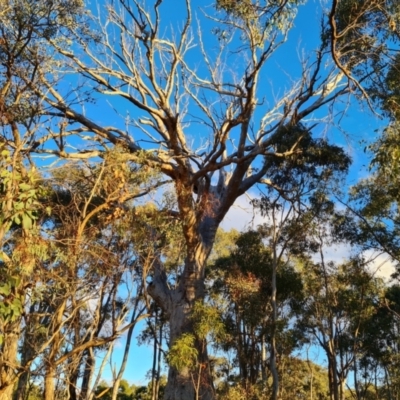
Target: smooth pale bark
{"x":134,"y":319}
{"x":27,"y":353}
{"x":49,"y":383}
{"x":55,"y":349}
{"x":8,"y":360}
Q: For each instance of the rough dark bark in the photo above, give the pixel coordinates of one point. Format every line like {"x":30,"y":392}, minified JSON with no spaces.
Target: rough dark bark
{"x":90,"y":363}
{"x":72,"y":384}
{"x":178,"y":305}
{"x":157,"y":383}
{"x":333,"y":379}
{"x":182,"y":384}
{"x":273,"y":366}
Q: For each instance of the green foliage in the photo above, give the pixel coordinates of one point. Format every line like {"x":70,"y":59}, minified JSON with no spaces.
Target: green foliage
{"x":19,"y":207}
{"x":386,"y":154}
{"x":128,"y":392}
{"x":183,"y":353}
{"x":373,"y":219}
{"x":318,"y":161}
{"x":208,"y":322}
{"x":259,"y":21}
{"x":11,"y":304}
{"x":241,"y":289}
{"x":389,"y":95}
{"x":224,"y":244}
{"x":18,"y":195}
{"x":101,"y":239}
{"x":302,"y":379}
{"x":245,"y":9}
{"x":250,"y":261}
{"x":364,"y":30}
{"x":27,"y":26}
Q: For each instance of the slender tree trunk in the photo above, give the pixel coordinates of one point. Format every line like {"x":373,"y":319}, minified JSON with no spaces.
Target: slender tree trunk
{"x":100,"y":371}
{"x":134,"y":319}
{"x":264,"y":363}
{"x":342,"y":385}
{"x":49,"y":383}
{"x":356,"y":383}
{"x":153,"y":369}
{"x":273,"y":366}
{"x":156,"y":370}
{"x":27,"y":353}
{"x":388,"y":385}
{"x":333,"y":378}
{"x":72,"y":383}
{"x":90,"y":364}
{"x":8,"y":360}
{"x":157,"y":386}
{"x":55,"y":349}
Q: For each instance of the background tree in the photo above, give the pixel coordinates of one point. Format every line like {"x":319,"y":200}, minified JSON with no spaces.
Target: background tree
{"x":23,"y":27}
{"x":244,"y":283}
{"x":340,"y":301}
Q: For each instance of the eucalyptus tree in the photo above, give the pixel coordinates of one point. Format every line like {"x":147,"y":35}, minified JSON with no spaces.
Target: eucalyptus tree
{"x":382,"y":343}
{"x":243,"y":282}
{"x":340,"y":301}
{"x":24,"y":27}
{"x":74,"y":305}
{"x":196,"y":110}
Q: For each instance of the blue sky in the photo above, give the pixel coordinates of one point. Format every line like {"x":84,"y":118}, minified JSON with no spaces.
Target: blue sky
{"x":356,"y":125}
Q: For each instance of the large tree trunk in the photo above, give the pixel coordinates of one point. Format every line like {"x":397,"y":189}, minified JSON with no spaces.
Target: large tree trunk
{"x":187,"y":384}
{"x":200,"y":221}
{"x":178,"y":305}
